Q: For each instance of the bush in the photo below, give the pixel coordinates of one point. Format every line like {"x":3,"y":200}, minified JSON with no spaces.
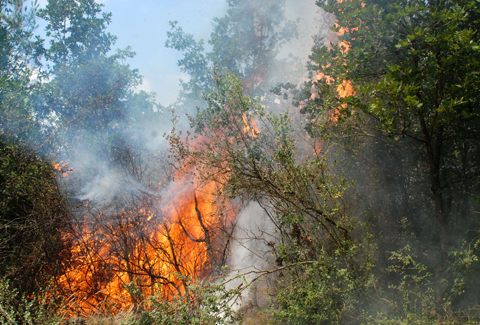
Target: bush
{"x":32,"y":212}
{"x":205,"y":303}
{"x":16,"y":308}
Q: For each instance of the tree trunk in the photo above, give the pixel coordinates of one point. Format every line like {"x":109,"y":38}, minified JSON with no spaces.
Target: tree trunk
{"x":433,"y":148}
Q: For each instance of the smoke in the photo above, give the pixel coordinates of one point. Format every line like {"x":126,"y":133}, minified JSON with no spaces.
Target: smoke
{"x":144,"y":123}
{"x":129,"y":166}
{"x":121,"y":159}
{"x":125,"y":160}
{"x":312,"y":24}
{"x":250,"y":250}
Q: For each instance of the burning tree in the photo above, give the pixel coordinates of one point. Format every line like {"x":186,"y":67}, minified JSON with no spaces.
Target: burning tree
{"x":262,"y":157}
{"x":413,"y":88}
{"x":130,"y":224}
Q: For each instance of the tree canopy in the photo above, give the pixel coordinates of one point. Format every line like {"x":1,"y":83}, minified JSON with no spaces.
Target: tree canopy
{"x":413,"y":70}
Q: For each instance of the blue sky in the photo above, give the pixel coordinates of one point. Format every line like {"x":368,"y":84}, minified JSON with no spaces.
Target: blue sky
{"x":143,"y":25}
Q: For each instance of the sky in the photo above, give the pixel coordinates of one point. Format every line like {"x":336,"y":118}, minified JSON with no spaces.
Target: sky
{"x":143,"y":25}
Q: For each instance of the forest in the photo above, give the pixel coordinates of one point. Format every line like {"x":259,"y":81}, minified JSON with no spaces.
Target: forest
{"x":333,"y":183}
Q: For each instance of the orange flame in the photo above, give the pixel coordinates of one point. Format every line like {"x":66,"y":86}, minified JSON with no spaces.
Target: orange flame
{"x":247,"y":128}
{"x":62,"y":168}
{"x":155,"y":247}
{"x":345,"y":89}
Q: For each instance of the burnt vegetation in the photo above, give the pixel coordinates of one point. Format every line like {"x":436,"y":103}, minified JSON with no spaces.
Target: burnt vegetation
{"x":337,"y":187}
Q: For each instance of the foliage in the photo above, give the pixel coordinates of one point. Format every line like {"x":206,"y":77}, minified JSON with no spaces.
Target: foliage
{"x":413,"y":68}
{"x":16,"y":308}
{"x":90,"y":96}
{"x":90,"y":104}
{"x":32,"y":213}
{"x":415,"y":300}
{"x":89,"y":88}
{"x":77,"y":31}
{"x":325,"y":292}
{"x":19,"y":53}
{"x":413,"y":297}
{"x":260,"y":156}
{"x":245,"y":42}
{"x":253,"y":154}
{"x":207,"y":303}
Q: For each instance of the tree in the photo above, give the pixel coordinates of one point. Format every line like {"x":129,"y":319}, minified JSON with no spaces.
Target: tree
{"x":246,"y":42}
{"x":95,"y":111}
{"x":90,"y":98}
{"x":413,"y":66}
{"x":19,"y":53}
{"x":89,"y":88}
{"x":258,"y":156}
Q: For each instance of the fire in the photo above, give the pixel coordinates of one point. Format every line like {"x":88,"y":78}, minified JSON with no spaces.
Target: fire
{"x":155,"y":246}
{"x":344,"y":45}
{"x":62,"y":168}
{"x":247,"y":128}
{"x":345,"y":89}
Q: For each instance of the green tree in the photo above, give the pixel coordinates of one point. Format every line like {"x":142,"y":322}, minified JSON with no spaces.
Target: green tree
{"x":414,"y":68}
{"x":246,"y":41}
{"x":271,"y":162}
{"x":91,"y":96}
{"x":19,"y":53}
{"x":88,"y":87}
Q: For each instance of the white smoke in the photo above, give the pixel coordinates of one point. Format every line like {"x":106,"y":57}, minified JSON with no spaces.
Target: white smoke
{"x":250,"y":252}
